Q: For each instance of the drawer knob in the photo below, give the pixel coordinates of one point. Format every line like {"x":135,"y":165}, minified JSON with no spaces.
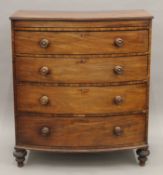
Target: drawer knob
{"x":45,"y":131}
{"x":44,"y":43}
{"x":44,"y":100}
{"x":118,"y":70}
{"x":118,"y":131}
{"x":44,"y":70}
{"x":119,"y":42}
{"x":118,"y":100}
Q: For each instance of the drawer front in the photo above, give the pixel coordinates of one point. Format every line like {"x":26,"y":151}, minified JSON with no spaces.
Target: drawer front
{"x":81,"y":70}
{"x":96,"y":132}
{"x":29,"y":25}
{"x":81,"y":42}
{"x":70,"y":100}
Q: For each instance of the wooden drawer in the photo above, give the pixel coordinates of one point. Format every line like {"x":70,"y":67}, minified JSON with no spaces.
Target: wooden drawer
{"x":111,"y":132}
{"x":36,"y":24}
{"x":71,"y":100}
{"x":92,"y":42}
{"x":81,"y":70}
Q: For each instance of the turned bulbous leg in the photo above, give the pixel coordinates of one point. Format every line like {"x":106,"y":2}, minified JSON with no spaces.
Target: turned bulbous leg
{"x":142,"y":155}
{"x":20,"y":155}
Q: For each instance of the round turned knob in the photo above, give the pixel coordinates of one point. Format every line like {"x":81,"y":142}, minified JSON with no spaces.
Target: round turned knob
{"x":118,"y":100}
{"x":45,"y":131}
{"x":44,"y":70}
{"x":118,"y":70}
{"x":44,"y":43}
{"x":44,"y":100}
{"x":119,"y":42}
{"x":118,"y":131}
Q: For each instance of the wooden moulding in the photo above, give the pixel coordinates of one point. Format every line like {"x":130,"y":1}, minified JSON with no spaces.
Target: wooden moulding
{"x":77,"y":149}
{"x":56,"y":25}
{"x":81,"y":16}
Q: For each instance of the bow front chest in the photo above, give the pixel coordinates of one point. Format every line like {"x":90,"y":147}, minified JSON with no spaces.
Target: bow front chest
{"x":81,"y":81}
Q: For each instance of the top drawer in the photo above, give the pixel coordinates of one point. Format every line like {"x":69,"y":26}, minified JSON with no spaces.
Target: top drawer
{"x":77,"y":42}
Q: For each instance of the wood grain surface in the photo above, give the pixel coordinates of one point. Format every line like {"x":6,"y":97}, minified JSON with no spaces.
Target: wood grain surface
{"x":81,"y":42}
{"x":27,"y":24}
{"x":97,"y":15}
{"x":81,"y":99}
{"x":81,"y":70}
{"x":82,"y":131}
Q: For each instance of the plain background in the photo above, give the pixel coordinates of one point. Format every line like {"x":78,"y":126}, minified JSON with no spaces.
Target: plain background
{"x":121,"y":162}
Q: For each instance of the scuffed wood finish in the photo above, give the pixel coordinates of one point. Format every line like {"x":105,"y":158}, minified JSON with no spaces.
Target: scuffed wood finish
{"x":81,"y":132}
{"x":81,"y":81}
{"x":81,"y":70}
{"x":81,"y":42}
{"x":81,"y":99}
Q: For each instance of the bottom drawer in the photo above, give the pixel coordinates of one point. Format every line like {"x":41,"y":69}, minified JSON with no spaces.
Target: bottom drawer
{"x":110,"y":132}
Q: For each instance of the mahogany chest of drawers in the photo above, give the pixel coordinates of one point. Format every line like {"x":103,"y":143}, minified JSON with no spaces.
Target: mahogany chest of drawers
{"x":81,"y":81}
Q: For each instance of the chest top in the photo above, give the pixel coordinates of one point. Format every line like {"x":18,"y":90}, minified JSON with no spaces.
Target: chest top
{"x":112,"y":15}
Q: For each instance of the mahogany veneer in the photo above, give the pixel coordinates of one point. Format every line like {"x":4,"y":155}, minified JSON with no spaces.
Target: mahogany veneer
{"x":81,"y":81}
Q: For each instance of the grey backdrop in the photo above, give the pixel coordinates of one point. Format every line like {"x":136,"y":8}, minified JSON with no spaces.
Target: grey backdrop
{"x":118,"y":162}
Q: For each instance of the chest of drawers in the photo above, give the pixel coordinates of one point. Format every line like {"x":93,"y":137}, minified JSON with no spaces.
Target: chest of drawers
{"x":81,"y":81}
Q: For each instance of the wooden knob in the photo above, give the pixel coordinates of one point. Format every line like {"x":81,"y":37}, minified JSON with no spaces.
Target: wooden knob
{"x":118,"y":70}
{"x":118,"y":100}
{"x":44,"y":100}
{"x":118,"y":131}
{"x":45,"y":131}
{"x":44,"y":43}
{"x":119,"y":42}
{"x":44,"y":70}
